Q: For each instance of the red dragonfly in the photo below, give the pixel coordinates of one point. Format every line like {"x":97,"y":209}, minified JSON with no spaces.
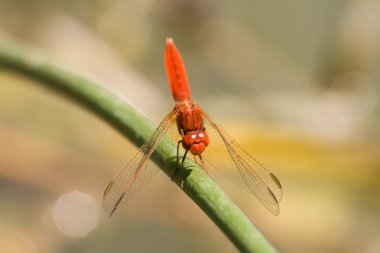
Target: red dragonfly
{"x":188,"y":124}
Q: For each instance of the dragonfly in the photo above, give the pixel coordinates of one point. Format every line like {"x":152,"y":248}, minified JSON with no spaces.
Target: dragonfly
{"x":191,"y":127}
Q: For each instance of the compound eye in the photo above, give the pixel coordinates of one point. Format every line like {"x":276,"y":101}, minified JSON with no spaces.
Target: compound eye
{"x":193,"y":136}
{"x":203,"y":137}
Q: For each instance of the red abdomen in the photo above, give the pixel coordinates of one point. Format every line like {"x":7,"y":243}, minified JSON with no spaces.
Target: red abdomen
{"x":176,"y":72}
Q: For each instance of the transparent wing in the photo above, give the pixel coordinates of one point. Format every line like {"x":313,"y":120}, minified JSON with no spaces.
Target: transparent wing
{"x":140,"y":170}
{"x":225,"y":155}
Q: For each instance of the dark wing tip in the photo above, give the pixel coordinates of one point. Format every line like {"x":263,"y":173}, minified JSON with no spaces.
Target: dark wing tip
{"x":116,"y":204}
{"x":276,"y":181}
{"x":108,"y":188}
{"x":275,"y":211}
{"x":278,"y":184}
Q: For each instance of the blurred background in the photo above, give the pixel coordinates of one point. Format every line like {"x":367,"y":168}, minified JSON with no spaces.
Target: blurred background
{"x":295,"y":82}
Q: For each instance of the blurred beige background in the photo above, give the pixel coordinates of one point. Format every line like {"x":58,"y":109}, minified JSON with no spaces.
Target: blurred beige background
{"x":295,"y":82}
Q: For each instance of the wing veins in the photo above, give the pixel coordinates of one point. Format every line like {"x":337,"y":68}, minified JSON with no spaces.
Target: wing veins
{"x":146,"y":150}
{"x":248,"y":175}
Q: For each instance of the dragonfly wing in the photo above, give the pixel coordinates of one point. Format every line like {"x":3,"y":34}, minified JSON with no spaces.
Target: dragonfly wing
{"x":227,"y":156}
{"x":139,"y":171}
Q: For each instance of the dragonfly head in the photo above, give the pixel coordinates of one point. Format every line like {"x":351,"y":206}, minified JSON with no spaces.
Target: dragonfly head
{"x":195,"y":141}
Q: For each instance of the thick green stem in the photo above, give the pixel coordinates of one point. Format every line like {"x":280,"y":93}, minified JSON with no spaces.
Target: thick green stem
{"x":125,"y":119}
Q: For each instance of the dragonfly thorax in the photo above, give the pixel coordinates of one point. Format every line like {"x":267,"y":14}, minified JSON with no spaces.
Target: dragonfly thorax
{"x":195,"y":141}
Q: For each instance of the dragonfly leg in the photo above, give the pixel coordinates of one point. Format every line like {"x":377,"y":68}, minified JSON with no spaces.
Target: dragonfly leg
{"x":183,"y":168}
{"x":177,"y":160}
{"x":204,"y":167}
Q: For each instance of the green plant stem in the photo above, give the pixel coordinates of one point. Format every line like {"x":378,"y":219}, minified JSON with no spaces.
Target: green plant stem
{"x":134,"y":126}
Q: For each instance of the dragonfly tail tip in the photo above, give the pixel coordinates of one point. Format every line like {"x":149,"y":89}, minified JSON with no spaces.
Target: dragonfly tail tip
{"x":169,"y":41}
